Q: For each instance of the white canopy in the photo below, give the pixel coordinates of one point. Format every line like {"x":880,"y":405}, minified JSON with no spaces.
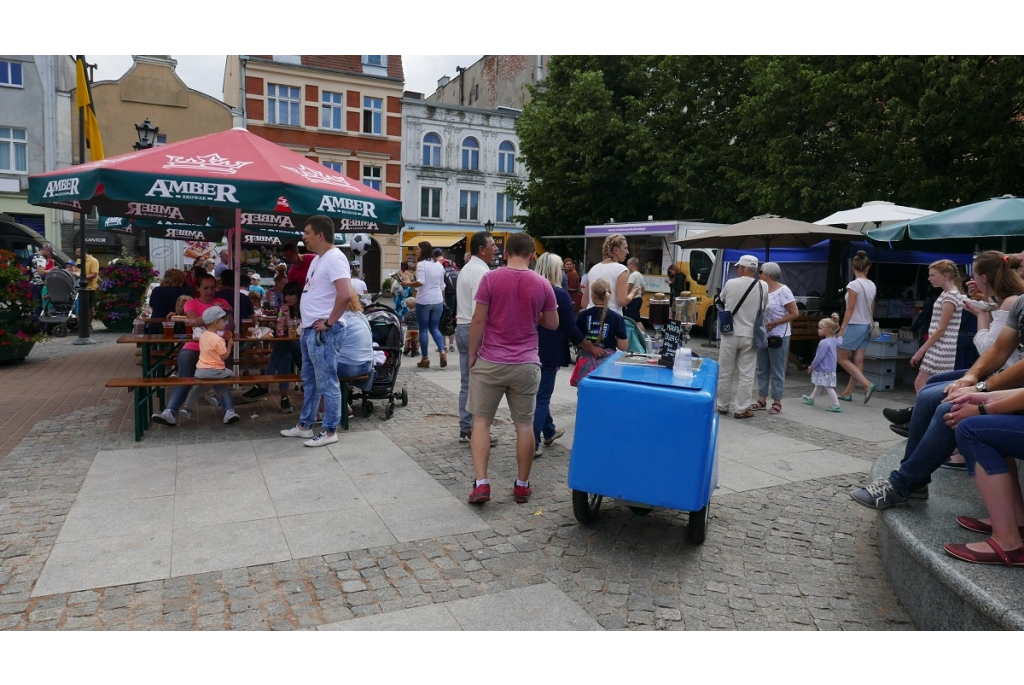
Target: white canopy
{"x":872,"y":215}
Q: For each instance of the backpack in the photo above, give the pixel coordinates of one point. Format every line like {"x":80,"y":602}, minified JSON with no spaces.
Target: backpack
{"x":451,"y":279}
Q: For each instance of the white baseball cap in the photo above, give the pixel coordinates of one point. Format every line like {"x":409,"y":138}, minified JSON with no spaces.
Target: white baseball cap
{"x":748,"y":261}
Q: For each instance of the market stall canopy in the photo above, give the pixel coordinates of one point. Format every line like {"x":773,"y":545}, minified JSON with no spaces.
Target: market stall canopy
{"x":208,"y":233}
{"x":443,"y":240}
{"x":206,"y":180}
{"x":637,"y":228}
{"x":981,"y":222}
{"x":872,"y":215}
{"x":765,"y":232}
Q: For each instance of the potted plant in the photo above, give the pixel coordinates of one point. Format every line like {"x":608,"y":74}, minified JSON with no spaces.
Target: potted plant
{"x":122,"y":290}
{"x":19,"y":329}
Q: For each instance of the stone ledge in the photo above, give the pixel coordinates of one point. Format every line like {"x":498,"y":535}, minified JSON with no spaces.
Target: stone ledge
{"x":938,"y":591}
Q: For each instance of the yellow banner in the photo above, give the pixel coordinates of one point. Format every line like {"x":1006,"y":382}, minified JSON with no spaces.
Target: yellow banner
{"x":84,"y":99}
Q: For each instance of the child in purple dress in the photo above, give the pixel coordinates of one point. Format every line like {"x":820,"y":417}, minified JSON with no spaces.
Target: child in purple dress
{"x":823,"y":368}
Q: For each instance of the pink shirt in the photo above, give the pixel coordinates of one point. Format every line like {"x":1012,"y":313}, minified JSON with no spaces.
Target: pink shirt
{"x":515,"y":300}
{"x":196,"y":308}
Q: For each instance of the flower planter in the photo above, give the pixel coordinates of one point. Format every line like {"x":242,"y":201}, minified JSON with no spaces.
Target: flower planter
{"x":15,"y":352}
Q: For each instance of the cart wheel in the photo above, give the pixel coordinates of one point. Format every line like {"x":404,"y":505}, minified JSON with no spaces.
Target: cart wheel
{"x":389,"y":411}
{"x":640,"y":511}
{"x":585,"y":506}
{"x":697,"y":528}
{"x":405,"y":397}
{"x":60,"y":330}
{"x":367,"y":408}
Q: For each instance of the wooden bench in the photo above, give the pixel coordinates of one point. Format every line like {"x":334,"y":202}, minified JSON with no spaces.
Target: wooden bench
{"x":146,"y":388}
{"x":804,"y":328}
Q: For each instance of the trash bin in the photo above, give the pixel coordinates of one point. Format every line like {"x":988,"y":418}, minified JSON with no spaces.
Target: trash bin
{"x":664,"y":456}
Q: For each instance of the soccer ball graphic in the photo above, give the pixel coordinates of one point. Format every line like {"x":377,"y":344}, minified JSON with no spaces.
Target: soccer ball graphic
{"x":360,"y":244}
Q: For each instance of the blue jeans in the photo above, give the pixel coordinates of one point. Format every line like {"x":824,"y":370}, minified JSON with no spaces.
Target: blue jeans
{"x":543,"y":426}
{"x":772,"y":361}
{"x":931,"y":441}
{"x":320,"y":377}
{"x":187,"y":360}
{"x":428,"y":316}
{"x":354,"y":370}
{"x":284,"y":355}
{"x":462,"y":345}
{"x":989,"y":440}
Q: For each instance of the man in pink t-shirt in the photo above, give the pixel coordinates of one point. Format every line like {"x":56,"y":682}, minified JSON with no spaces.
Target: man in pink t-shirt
{"x":298,"y":263}
{"x":503,"y":360}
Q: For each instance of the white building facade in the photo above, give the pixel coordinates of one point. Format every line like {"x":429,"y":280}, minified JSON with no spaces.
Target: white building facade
{"x":457,"y":163}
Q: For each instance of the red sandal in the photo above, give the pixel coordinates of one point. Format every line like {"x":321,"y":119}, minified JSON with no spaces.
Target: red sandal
{"x":776,"y":408}
{"x":1015,"y":557}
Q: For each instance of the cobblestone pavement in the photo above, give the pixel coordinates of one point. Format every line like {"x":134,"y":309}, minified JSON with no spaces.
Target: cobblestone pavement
{"x":793,"y":557}
{"x":59,"y":348}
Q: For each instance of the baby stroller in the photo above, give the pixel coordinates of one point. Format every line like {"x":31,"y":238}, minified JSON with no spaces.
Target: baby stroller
{"x":386,"y":329}
{"x":60,"y":311}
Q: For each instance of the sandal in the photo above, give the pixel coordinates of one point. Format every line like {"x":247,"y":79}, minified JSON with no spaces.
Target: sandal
{"x":846,"y":398}
{"x":870,"y":392}
{"x":776,"y":408}
{"x":979,"y":526}
{"x":743,"y":415}
{"x":1014,"y":557}
{"x":757,"y":406}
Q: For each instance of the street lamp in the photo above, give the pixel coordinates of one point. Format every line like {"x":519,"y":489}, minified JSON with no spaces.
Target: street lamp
{"x":147,"y":135}
{"x":489,"y":225}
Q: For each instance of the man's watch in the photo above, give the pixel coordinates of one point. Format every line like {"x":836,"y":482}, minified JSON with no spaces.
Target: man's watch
{"x":981,"y":387}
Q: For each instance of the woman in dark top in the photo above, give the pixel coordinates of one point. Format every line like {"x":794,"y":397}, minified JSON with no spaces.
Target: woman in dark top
{"x":164,"y":298}
{"x":601,"y":325}
{"x":677,"y":283}
{"x":553,"y":347}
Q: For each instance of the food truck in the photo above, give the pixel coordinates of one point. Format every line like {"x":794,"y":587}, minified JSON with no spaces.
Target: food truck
{"x":651,"y":243}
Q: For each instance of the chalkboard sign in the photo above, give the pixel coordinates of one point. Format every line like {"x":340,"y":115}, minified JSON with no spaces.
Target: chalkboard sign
{"x":674,"y":333}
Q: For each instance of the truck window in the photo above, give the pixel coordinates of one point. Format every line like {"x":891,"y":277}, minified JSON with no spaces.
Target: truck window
{"x":700,"y":266}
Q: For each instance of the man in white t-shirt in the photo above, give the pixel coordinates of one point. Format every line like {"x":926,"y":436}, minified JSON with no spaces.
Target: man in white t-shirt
{"x":737,"y":359}
{"x":481,"y":246}
{"x":325,"y":298}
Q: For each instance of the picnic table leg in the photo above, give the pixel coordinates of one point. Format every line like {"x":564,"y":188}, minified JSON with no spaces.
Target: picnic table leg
{"x":344,"y":405}
{"x":140,"y":416}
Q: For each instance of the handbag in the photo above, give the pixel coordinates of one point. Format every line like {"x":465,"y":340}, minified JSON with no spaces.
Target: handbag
{"x":760,"y":332}
{"x":725,"y":323}
{"x":876,"y":331}
{"x":584,"y":365}
{"x":447,"y":325}
{"x":774,"y":342}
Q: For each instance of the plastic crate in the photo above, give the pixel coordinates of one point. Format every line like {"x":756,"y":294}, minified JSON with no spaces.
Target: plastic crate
{"x":886,"y":382}
{"x":882,"y":348}
{"x":880,"y":367}
{"x":907,"y":348}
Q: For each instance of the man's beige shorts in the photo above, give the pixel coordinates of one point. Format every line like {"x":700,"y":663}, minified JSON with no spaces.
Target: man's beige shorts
{"x":489,"y":381}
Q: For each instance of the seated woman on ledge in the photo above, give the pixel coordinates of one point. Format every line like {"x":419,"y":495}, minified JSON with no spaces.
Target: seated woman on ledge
{"x":989,"y":431}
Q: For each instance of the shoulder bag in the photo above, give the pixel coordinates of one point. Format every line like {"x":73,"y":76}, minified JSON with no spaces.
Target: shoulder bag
{"x":760,"y":332}
{"x":725,"y":324}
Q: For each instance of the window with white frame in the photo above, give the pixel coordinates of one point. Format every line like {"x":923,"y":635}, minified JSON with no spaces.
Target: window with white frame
{"x":13,"y":150}
{"x":376,"y":60}
{"x":333,"y":166}
{"x":10,"y":74}
{"x":506,"y":158}
{"x":332,"y":111}
{"x":430,"y":203}
{"x":372,"y":176}
{"x":506,"y":209}
{"x":470,"y":154}
{"x":373,"y":115}
{"x":431,"y":150}
{"x":469,"y":205}
{"x":283,"y":105}
{"x":161,"y":139}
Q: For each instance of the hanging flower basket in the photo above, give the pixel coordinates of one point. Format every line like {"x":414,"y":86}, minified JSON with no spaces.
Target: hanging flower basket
{"x":122,"y":291}
{"x":19,"y":329}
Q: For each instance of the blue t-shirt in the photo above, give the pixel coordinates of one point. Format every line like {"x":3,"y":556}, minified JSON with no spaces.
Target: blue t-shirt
{"x":614,"y":328}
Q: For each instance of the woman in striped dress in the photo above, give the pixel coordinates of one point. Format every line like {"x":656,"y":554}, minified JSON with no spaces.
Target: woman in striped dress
{"x":938,"y":353}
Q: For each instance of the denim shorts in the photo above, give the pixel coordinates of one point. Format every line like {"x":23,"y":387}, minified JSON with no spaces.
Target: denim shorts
{"x":856,"y":336}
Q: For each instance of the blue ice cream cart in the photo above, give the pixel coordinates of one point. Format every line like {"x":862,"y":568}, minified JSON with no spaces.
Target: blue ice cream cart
{"x":667,"y":460}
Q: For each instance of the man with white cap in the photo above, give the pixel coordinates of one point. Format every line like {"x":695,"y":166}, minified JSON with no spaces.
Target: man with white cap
{"x":743,"y":296}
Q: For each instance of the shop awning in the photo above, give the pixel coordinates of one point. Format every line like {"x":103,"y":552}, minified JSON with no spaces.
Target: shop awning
{"x":442,"y":240}
{"x":638,"y":228}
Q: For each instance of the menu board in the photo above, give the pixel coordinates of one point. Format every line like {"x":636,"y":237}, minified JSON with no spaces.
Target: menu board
{"x":674,"y":333}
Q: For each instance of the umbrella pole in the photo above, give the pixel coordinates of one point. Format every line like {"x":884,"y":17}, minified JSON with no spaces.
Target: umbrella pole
{"x":237,"y":250}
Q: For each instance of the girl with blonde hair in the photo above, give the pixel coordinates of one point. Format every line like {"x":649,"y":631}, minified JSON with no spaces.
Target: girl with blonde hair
{"x":610,"y":268}
{"x":938,"y":353}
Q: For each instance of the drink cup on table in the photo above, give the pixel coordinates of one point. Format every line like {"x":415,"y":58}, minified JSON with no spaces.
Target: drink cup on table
{"x":168,"y":330}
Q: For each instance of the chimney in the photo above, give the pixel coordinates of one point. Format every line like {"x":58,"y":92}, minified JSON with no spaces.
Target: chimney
{"x":443,"y":81}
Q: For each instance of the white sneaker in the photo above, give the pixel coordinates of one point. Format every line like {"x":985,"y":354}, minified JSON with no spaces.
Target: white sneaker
{"x":166,"y":417}
{"x":321,"y":439}
{"x":185,"y":412}
{"x":297,"y":432}
{"x":231,"y":417}
{"x":212,"y":399}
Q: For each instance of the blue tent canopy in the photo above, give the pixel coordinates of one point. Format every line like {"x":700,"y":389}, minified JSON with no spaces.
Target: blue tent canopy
{"x":878,"y":255}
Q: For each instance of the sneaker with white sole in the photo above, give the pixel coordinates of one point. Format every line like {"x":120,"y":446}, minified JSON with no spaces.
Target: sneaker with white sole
{"x":322,"y":438}
{"x":185,"y":412}
{"x":879,"y":495}
{"x":214,"y":402}
{"x":297,"y":432}
{"x":558,"y":433}
{"x":166,"y":417}
{"x":286,"y":406}
{"x":231,"y":417}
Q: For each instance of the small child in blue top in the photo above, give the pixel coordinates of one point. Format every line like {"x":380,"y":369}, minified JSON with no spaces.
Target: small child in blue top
{"x":823,"y":368}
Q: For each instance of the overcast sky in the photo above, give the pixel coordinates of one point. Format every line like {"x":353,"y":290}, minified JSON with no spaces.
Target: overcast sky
{"x":206,"y":72}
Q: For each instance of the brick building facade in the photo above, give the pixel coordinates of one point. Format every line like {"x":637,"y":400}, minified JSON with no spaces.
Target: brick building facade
{"x":492,"y":81}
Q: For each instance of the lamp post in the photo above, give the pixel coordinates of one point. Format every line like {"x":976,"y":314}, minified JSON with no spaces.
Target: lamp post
{"x":147,"y":135}
{"x":489,"y":226}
